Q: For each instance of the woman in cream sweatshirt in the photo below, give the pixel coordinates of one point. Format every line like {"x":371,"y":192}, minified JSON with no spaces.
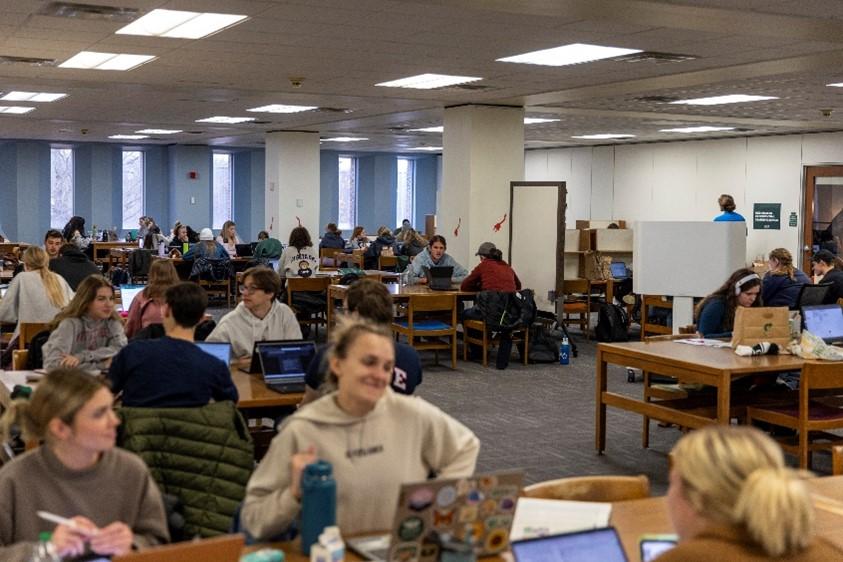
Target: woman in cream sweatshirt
{"x":375,"y":440}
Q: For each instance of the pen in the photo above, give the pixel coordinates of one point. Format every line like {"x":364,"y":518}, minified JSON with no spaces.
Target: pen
{"x":62,"y":521}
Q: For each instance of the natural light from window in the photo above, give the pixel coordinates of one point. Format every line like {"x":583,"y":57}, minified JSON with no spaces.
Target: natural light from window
{"x":222,"y":188}
{"x":405,"y":196}
{"x":61,"y":186}
{"x":347,"y":215}
{"x":133,"y":188}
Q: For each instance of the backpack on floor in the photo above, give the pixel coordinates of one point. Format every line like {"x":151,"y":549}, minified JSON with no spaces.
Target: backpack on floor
{"x":119,"y":276}
{"x":612,"y":323}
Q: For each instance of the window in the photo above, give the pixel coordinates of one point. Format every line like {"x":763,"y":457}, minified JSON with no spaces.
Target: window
{"x":132,"y":188}
{"x":347,"y":215}
{"x":405,"y":197}
{"x":61,"y":186}
{"x":222,"y":188}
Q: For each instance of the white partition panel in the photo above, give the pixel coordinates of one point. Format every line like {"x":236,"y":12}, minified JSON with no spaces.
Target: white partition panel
{"x":686,"y":259}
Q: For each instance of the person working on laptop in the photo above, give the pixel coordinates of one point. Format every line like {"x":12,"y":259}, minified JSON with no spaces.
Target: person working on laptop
{"x":715,"y":315}
{"x":76,"y":473}
{"x":732,"y":497}
{"x":171,"y":372}
{"x":375,"y":440}
{"x":782,"y":283}
{"x":146,"y":308}
{"x":828,"y":268}
{"x":228,"y":238}
{"x":259,"y":316}
{"x":371,"y":300}
{"x":434,"y":256}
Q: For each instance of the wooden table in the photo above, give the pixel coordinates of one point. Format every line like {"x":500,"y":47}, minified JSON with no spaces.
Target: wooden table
{"x":710,"y":366}
{"x":9,"y":247}
{"x":101,"y":250}
{"x":255,"y":394}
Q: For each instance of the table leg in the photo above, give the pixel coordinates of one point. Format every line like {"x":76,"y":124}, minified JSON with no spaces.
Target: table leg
{"x":724,"y":391}
{"x":329,"y":315}
{"x":600,"y":385}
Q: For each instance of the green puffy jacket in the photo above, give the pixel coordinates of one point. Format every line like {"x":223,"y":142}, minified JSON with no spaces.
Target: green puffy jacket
{"x":204,"y":456}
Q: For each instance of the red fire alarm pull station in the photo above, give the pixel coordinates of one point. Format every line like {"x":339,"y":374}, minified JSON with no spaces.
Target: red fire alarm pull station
{"x":193,"y":175}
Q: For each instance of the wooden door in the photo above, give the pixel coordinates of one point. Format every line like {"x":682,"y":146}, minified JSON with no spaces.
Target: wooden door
{"x":823,"y":212}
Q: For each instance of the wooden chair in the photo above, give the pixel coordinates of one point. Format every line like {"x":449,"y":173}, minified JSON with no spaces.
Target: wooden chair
{"x":19,"y":359}
{"x":309,"y":285}
{"x":427,"y":327}
{"x":577,"y":302}
{"x":591,"y":488}
{"x":837,"y":460}
{"x":387,"y":261}
{"x":812,"y":416}
{"x":484,"y":340}
{"x":217,"y":288}
{"x":327,"y":257}
{"x":28,"y":330}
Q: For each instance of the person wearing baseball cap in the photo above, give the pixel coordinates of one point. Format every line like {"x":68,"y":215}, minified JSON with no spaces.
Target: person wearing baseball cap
{"x":828,"y":268}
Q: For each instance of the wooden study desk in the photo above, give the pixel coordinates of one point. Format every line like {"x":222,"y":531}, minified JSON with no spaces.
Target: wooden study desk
{"x":254,"y":393}
{"x":102,"y":250}
{"x":710,"y":366}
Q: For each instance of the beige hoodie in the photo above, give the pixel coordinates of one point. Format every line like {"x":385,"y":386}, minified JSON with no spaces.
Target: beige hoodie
{"x":242,"y":329}
{"x":402,"y":440}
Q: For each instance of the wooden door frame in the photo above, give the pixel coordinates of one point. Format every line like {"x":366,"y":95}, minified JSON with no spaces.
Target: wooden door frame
{"x":808,"y":186}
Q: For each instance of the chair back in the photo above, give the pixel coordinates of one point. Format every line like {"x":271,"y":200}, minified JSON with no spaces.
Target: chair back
{"x":327,"y":256}
{"x":821,"y":375}
{"x":433,"y":302}
{"x":28,"y":331}
{"x":309,"y":284}
{"x":591,"y":488}
{"x":812,"y":295}
{"x":575,"y":286}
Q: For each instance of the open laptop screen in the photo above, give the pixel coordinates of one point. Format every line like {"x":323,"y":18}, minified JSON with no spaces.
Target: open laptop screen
{"x":128,"y":294}
{"x":824,"y":321}
{"x":286,"y":361}
{"x":618,"y":270}
{"x":220,"y":350}
{"x":594,"y":544}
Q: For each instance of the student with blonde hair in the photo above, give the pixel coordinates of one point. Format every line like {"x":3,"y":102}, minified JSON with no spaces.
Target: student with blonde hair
{"x":228,"y":238}
{"x":88,"y":332}
{"x":146,"y":307}
{"x":77,"y":473}
{"x":731,"y":497}
{"x":783,"y":281}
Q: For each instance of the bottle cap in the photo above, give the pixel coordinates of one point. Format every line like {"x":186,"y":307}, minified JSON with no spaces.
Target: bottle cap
{"x":45,"y":536}
{"x":318,"y":468}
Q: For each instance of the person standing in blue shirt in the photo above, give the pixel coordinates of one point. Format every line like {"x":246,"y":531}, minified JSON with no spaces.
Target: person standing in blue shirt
{"x":727,"y":206}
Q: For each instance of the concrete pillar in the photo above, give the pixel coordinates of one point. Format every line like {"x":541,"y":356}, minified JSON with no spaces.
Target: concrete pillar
{"x":292,"y":183}
{"x":483,"y":152}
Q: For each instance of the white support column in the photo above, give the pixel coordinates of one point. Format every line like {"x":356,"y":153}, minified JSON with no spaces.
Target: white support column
{"x":292,"y":182}
{"x":483,"y":152}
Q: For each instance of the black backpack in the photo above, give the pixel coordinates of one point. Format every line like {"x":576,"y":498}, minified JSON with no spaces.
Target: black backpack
{"x":35,"y":356}
{"x":612,"y":323}
{"x":544,"y":343}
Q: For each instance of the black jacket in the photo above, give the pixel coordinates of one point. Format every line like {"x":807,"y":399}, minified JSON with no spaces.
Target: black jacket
{"x":835,"y":277}
{"x":74,"y":266}
{"x":331,"y":240}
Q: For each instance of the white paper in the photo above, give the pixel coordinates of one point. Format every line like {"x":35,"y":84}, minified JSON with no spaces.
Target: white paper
{"x":11,"y":378}
{"x":704,"y":342}
{"x":538,"y":518}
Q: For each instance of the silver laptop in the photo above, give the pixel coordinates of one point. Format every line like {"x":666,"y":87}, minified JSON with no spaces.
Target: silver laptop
{"x":220,"y":350}
{"x":593,"y":544}
{"x":824,"y":321}
{"x":128,"y":294}
{"x":481,"y":507}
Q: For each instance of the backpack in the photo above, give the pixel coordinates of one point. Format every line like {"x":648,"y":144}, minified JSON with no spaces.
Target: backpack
{"x":119,"y":276}
{"x":506,"y":311}
{"x":612,"y":323}
{"x":544,"y":344}
{"x":35,"y":357}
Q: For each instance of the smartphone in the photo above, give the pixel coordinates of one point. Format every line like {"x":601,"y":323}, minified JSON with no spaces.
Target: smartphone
{"x":652,"y":546}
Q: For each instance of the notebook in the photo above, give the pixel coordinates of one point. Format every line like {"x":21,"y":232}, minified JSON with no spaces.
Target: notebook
{"x":244,"y":250}
{"x":482,"y":505}
{"x":226,"y":548}
{"x":594,"y":544}
{"x":128,"y":294}
{"x":220,"y":350}
{"x":824,"y":321}
{"x":439,"y":277}
{"x":284,"y":364}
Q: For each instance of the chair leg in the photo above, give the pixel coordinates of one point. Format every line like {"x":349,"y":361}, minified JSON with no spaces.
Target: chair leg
{"x":526,"y":343}
{"x":454,"y":350}
{"x":485,"y":347}
{"x":804,"y":451}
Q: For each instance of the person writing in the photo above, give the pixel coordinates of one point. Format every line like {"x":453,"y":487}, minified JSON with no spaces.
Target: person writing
{"x":77,"y":473}
{"x":355,"y":429}
{"x":434,"y":256}
{"x":731,"y":497}
{"x":782,"y":283}
{"x":715,"y":315}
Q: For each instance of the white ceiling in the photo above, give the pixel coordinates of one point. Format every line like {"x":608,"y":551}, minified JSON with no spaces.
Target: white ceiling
{"x":341,"y":48}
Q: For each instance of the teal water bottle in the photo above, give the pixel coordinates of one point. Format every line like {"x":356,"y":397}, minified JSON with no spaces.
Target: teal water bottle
{"x":564,"y":352}
{"x":318,"y":502}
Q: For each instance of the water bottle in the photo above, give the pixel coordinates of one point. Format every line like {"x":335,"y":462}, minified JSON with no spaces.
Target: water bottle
{"x":44,"y":551}
{"x":564,"y":352}
{"x":318,"y":502}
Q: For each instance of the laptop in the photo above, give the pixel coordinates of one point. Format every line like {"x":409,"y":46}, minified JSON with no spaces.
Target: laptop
{"x":220,"y":350}
{"x":593,"y":544}
{"x":481,"y":506}
{"x":619,"y":270}
{"x":244,"y":250}
{"x":439,"y":277}
{"x":226,"y":548}
{"x":128,"y":294}
{"x":284,"y":364}
{"x":824,"y":321}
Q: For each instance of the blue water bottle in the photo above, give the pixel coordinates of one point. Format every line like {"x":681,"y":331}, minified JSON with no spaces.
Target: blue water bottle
{"x":318,"y":502}
{"x":564,"y":352}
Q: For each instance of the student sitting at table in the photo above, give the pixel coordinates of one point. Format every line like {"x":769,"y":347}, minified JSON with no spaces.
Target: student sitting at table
{"x":73,"y":265}
{"x":259,"y":316}
{"x":268,"y":248}
{"x":146,"y":308}
{"x":299,"y":259}
{"x":171,"y":372}
{"x":782,"y":283}
{"x":411,"y":242}
{"x":369,"y":299}
{"x":828,"y":268}
{"x":715,"y":315}
{"x":228,"y":238}
{"x":732,"y":497}
{"x":76,"y":473}
{"x":88,"y":332}
{"x":206,"y":248}
{"x":434,"y":256}
{"x":332,"y":237}
{"x":53,"y":241}
{"x":74,"y":233}
{"x":374,"y":439}
{"x":384,"y":241}
{"x":358,"y":239}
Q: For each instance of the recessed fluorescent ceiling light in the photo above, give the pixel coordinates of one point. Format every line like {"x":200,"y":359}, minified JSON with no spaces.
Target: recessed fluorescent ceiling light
{"x":345,"y":139}
{"x":429,"y":81}
{"x":604,"y":136}
{"x":836,"y":85}
{"x":128,"y":137}
{"x":16,"y":109}
{"x":536,"y":120}
{"x":574,"y":53}
{"x":224,"y":119}
{"x":438,"y":129}
{"x":428,"y":148}
{"x":159,"y":131}
{"x":279,"y":108}
{"x":37,"y":97}
{"x":700,"y":129}
{"x":105,"y":61}
{"x":179,"y":24}
{"x":718,"y":100}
